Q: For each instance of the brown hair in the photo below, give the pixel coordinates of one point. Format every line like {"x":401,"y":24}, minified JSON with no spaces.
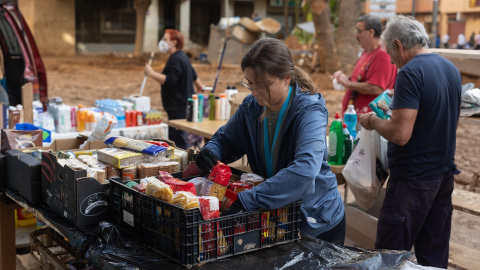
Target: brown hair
{"x":175,"y":35}
{"x":272,"y":56}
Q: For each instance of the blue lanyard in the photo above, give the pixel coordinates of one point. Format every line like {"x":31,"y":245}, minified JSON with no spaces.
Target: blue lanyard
{"x":266,"y":142}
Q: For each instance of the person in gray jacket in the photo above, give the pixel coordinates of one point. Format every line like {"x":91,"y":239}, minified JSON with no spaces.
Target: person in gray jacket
{"x":281,"y":127}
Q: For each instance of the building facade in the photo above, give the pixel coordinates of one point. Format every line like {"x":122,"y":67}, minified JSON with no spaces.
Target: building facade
{"x":68,"y":27}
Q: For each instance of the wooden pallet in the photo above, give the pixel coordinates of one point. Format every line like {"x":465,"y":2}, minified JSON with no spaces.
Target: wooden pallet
{"x":461,"y":257}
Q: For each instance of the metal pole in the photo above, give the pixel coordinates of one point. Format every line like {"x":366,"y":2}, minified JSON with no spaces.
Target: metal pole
{"x":413,"y":9}
{"x":434,"y":23}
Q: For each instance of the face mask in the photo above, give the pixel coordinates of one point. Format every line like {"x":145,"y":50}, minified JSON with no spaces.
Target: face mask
{"x":163,"y":46}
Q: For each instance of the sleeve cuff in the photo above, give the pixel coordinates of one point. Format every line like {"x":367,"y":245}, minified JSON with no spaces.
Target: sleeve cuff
{"x":247,"y":198}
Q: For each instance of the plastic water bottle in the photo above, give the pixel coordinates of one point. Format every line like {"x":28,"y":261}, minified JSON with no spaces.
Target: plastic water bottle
{"x":119,"y":114}
{"x":335,"y":142}
{"x":347,"y":144}
{"x":350,"y":119}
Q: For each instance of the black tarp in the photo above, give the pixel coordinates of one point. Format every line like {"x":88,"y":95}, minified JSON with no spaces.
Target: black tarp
{"x":107,"y":249}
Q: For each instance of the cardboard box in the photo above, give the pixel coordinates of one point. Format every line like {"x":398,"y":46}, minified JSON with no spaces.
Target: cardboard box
{"x":81,"y":200}
{"x":24,"y":175}
{"x":237,"y":99}
{"x":361,"y":225}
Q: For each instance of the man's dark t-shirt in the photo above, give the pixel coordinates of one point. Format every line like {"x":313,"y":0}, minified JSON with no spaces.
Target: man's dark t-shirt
{"x":178,"y":86}
{"x":432,"y":85}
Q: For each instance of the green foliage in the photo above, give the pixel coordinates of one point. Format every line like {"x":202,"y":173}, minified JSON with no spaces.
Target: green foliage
{"x":302,"y":36}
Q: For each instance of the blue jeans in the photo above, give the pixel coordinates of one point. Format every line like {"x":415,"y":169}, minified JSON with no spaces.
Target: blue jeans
{"x":418,"y":213}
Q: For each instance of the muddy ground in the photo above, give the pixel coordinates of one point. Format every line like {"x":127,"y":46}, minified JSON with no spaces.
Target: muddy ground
{"x":83,"y":79}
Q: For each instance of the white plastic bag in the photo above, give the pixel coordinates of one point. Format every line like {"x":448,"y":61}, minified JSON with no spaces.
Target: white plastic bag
{"x":359,"y":172}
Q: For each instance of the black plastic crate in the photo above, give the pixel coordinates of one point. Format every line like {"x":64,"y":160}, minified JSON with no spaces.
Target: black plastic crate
{"x":126,"y":205}
{"x":185,"y":237}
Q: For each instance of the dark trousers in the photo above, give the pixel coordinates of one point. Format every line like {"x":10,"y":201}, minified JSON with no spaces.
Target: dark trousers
{"x":336,"y":235}
{"x":418,"y":213}
{"x":176,"y":135}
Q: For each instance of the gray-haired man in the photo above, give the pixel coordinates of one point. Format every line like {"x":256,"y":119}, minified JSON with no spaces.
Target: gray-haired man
{"x":417,"y":210}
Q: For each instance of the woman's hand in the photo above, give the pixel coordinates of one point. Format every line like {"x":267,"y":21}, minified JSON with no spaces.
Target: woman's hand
{"x":235,"y":208}
{"x":148,"y":70}
{"x":205,"y":160}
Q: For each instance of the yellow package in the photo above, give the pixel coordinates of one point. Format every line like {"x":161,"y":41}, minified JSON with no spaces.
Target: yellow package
{"x":159,"y":190}
{"x":185,"y":200}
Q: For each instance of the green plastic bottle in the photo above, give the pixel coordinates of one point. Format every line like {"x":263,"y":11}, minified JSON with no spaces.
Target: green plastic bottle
{"x":335,"y":142}
{"x":347,"y":144}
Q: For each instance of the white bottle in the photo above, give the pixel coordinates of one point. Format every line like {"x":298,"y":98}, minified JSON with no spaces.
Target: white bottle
{"x":195,"y":108}
{"x":223,"y":106}
{"x":230,"y":93}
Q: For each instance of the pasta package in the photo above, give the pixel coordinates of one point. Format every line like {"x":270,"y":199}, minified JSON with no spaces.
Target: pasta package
{"x":209,"y":207}
{"x":198,"y":182}
{"x":178,"y":185}
{"x":214,"y":189}
{"x":160,"y":191}
{"x":185,"y":200}
{"x":119,"y":158}
{"x":134,"y":145}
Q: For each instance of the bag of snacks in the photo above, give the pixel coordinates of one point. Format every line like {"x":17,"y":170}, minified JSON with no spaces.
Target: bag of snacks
{"x":185,"y":200}
{"x":238,"y":186}
{"x":179,"y":185}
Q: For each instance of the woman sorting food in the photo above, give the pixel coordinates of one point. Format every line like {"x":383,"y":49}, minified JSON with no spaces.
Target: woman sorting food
{"x":281,"y":127}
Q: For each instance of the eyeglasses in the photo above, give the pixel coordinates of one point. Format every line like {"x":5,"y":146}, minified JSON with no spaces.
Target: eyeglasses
{"x":249,"y":85}
{"x":360,"y":31}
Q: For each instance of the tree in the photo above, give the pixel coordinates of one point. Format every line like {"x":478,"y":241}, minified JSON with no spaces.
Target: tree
{"x":327,"y":51}
{"x":348,"y":13}
{"x":141,"y":7}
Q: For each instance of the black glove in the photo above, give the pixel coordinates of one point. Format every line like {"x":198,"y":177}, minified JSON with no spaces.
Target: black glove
{"x":235,"y":208}
{"x":205,"y":160}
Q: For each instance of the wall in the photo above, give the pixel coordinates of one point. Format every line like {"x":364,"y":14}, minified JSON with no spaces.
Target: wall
{"x":472,"y":24}
{"x":52,"y":23}
{"x":405,"y":6}
{"x":453,"y":6}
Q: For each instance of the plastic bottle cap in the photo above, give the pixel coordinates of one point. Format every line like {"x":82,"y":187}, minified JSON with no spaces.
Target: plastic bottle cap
{"x":350,"y":108}
{"x":337,"y":115}
{"x":194,"y":97}
{"x":344,"y":125}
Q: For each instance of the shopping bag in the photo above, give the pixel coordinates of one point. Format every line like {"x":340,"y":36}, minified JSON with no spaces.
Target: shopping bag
{"x":360,"y":170}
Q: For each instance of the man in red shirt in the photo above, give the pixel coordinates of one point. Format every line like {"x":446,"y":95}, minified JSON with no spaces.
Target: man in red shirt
{"x":373,"y":72}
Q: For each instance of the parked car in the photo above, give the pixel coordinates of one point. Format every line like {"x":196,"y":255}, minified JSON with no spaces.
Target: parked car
{"x":21,"y":60}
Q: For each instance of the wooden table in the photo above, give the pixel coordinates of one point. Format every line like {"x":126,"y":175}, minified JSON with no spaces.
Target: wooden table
{"x":206,"y":128}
